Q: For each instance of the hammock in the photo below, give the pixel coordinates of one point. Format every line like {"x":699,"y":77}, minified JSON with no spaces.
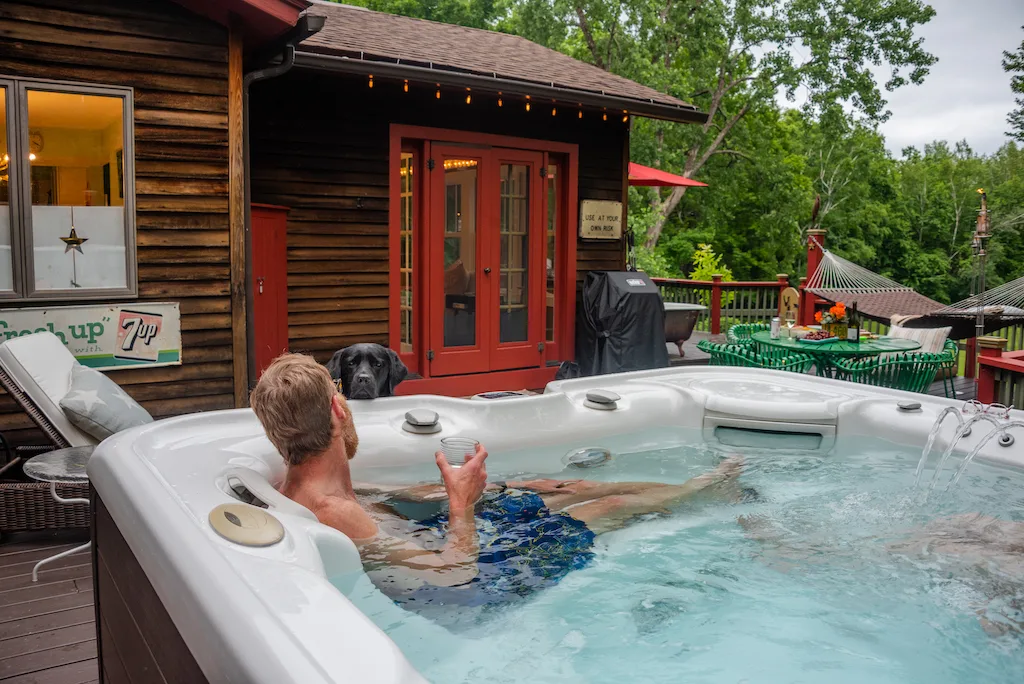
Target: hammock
{"x":879,"y":298}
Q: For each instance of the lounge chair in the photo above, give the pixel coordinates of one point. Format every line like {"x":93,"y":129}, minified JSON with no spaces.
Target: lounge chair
{"x":36,"y":371}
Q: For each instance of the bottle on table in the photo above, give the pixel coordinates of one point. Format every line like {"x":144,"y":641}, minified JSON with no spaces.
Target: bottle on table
{"x":853,"y":328}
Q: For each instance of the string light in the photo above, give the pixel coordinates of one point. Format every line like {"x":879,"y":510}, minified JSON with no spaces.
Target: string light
{"x":31,"y":156}
{"x":469,"y":98}
{"x":527,"y":103}
{"x":371,"y":80}
{"x":405,"y":86}
{"x":604,"y":116}
{"x":499,"y":98}
{"x":553,"y":112}
{"x":625,"y":116}
{"x":459,"y":164}
{"x":438,"y":93}
{"x":581,"y":114}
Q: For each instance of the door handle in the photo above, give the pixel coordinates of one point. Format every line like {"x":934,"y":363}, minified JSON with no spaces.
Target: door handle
{"x":260,"y":281}
{"x":487,"y":270}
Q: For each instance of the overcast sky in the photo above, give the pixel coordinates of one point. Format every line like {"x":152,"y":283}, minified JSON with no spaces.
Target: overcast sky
{"x":967,"y":94}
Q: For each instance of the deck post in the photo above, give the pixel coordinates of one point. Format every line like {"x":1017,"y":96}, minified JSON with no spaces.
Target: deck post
{"x":815,"y":243}
{"x":236,"y":215}
{"x":990,"y":347}
{"x":971,"y":357}
{"x":716,"y":304}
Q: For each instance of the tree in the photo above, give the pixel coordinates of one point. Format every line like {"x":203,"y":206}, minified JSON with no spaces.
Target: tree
{"x":1013,"y":63}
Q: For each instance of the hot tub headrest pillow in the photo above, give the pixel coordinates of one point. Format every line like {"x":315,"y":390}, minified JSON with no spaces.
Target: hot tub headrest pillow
{"x":96,"y":405}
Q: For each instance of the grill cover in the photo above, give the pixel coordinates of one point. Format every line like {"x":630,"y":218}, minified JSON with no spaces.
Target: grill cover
{"x":620,"y":324}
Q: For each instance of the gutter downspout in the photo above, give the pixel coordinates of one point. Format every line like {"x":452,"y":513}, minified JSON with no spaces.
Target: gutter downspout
{"x":248,"y":80}
{"x":308,"y":25}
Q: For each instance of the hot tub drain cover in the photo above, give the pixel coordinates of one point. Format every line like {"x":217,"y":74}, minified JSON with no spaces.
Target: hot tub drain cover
{"x":246,"y":525}
{"x":588,"y":457}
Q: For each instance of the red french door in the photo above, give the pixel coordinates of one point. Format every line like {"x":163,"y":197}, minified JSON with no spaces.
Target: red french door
{"x":486,"y":260}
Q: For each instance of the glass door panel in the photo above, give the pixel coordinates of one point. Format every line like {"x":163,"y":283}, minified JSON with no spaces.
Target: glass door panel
{"x":518,"y":233}
{"x":460,"y":262}
{"x":514,"y":265}
{"x":455,"y":270}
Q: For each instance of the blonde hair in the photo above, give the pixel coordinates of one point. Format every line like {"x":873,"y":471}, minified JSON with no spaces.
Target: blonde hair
{"x":293,"y":402}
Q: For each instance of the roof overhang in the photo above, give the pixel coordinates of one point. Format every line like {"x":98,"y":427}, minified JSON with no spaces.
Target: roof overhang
{"x":447,"y":77}
{"x":263,"y":20}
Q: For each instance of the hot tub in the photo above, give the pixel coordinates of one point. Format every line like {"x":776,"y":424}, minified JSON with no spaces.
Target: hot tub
{"x":647,"y":609}
{"x":680,"y":318}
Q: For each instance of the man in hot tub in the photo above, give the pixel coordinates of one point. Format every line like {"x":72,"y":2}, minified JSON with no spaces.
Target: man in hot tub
{"x":492,"y":543}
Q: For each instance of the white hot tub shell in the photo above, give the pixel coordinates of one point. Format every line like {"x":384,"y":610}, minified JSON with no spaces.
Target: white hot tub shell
{"x":272,"y":615}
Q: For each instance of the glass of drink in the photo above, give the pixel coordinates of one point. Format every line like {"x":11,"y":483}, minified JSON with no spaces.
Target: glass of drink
{"x":790,"y":322}
{"x":455,"y":450}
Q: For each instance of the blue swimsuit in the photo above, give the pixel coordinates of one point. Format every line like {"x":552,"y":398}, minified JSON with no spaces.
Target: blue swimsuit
{"x":524,"y":547}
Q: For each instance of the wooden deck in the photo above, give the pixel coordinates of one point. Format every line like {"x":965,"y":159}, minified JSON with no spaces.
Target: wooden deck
{"x":47,"y":632}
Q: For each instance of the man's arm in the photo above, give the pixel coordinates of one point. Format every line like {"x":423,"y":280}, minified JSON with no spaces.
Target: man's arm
{"x":456,"y":562}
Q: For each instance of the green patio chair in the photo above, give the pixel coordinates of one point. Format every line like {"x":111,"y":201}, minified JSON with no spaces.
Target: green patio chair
{"x":910,"y":371}
{"x":741,"y":332}
{"x":738,"y":355}
{"x":951,"y":350}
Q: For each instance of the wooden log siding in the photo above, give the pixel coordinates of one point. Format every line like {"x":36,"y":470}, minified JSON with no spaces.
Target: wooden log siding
{"x":177,"y":64}
{"x":319,"y":144}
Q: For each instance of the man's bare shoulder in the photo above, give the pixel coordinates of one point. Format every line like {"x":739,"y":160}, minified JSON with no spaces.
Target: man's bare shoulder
{"x":345,"y":515}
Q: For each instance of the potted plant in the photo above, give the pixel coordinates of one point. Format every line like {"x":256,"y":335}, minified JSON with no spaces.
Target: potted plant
{"x":834,"y":320}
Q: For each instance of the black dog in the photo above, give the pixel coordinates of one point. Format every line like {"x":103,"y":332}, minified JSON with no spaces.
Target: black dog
{"x":367,"y":371}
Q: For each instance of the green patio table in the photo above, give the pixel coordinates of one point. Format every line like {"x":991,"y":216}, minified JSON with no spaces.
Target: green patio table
{"x":824,"y":353}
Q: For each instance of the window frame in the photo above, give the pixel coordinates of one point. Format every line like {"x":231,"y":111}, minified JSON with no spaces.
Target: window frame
{"x":13,"y":188}
{"x":23,"y":261}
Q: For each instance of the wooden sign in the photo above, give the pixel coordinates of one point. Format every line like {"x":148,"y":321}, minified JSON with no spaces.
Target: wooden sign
{"x":600,"y":220}
{"x":789,"y":303}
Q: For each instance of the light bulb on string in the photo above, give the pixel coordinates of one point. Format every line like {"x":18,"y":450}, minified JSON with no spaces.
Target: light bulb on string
{"x":371,"y":81}
{"x":499,"y":98}
{"x":625,"y":116}
{"x":581,"y":114}
{"x":553,"y":111}
{"x":438,"y":93}
{"x":405,"y":86}
{"x":469,"y":97}
{"x":604,"y":116}
{"x":527,"y":103}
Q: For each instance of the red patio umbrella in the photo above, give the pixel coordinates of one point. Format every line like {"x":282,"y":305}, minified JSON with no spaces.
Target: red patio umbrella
{"x":646,"y":176}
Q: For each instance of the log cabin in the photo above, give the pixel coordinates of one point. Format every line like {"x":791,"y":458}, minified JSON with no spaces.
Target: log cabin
{"x":263,"y":175}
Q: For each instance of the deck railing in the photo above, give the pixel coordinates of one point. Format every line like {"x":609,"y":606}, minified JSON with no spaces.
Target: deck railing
{"x":727,"y":303}
{"x":1000,"y":373}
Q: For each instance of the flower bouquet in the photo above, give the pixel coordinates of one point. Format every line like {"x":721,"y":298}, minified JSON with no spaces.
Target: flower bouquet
{"x":834,"y":320}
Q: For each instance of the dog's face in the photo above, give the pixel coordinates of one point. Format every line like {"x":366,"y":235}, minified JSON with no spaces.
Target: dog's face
{"x":367,"y":371}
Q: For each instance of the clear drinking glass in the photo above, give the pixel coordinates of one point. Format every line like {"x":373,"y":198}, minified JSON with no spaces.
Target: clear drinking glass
{"x":790,"y":322}
{"x":455,"y":450}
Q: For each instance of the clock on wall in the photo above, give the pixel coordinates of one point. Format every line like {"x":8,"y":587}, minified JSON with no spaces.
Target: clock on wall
{"x":35,"y":141}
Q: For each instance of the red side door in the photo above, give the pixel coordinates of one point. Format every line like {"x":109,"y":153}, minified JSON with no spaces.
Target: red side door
{"x":270,"y":283}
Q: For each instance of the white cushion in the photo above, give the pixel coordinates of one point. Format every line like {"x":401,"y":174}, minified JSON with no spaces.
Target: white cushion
{"x":41,"y":365}
{"x":98,"y":405}
{"x":931,"y":339}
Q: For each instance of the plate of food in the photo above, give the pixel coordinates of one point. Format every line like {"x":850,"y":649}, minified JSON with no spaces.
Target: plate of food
{"x":818,"y":337}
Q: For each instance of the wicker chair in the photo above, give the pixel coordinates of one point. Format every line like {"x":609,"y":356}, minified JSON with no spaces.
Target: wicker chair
{"x":741,"y":332}
{"x":28,"y":505}
{"x":911,"y":371}
{"x":738,"y":355}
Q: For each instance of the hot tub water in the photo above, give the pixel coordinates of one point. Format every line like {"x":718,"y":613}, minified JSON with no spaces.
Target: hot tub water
{"x":817,"y":583}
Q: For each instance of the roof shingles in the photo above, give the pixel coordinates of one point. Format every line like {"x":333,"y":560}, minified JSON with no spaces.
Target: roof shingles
{"x":355,"y":31}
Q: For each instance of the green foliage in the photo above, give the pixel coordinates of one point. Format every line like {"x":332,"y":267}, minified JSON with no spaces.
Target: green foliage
{"x":706,"y":264}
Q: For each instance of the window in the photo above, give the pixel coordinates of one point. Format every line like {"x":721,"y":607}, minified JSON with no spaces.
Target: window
{"x":66,"y":201}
